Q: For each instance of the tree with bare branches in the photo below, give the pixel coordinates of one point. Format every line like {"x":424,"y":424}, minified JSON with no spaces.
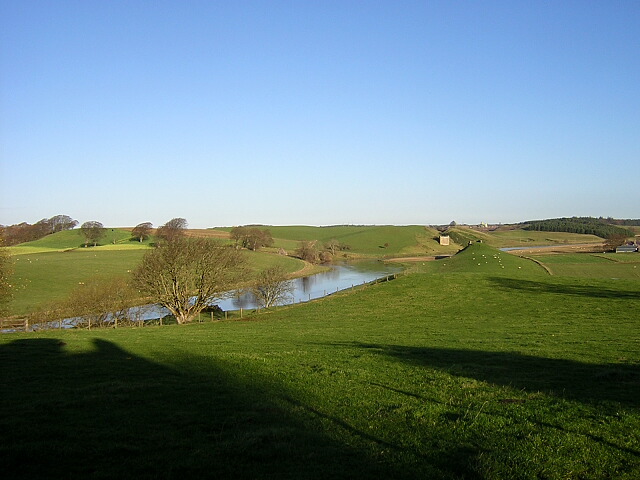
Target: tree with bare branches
{"x":308,"y":250}
{"x":273,"y":287}
{"x":142,"y":231}
{"x":186,"y":275}
{"x":92,"y":231}
{"x":252,"y":238}
{"x":172,"y":230}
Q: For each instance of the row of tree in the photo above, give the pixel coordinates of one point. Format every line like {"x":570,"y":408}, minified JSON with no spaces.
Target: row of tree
{"x":92,"y":230}
{"x":25,"y":232}
{"x":584,"y":225}
{"x":314,"y":251}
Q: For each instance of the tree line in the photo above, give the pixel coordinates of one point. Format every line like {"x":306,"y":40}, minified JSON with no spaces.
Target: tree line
{"x":599,"y":227}
{"x":25,"y":232}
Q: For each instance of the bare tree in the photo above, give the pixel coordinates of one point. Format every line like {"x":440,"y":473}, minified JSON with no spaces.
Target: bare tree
{"x":142,"y":231}
{"x":614,"y":240}
{"x":273,"y":287}
{"x":92,"y":231}
{"x":308,"y":251}
{"x":186,"y":275}
{"x":172,"y":230}
{"x":62,"y":222}
{"x":252,"y":238}
{"x":96,"y":303}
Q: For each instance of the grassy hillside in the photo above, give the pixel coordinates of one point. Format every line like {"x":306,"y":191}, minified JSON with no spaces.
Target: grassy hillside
{"x":517,"y":237}
{"x":481,"y":258}
{"x":468,"y":371}
{"x":45,"y":277}
{"x":69,"y":239}
{"x":370,"y":240}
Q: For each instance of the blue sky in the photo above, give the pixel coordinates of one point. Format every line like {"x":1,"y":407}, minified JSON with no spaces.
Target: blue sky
{"x":319,"y":112}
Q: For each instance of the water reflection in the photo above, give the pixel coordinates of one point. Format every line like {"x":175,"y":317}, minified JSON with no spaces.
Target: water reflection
{"x":340,"y":277}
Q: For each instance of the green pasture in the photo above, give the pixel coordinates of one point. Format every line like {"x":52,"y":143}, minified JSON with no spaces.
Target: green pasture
{"x":114,"y":239}
{"x":523,"y":238}
{"x":518,"y":238}
{"x":453,"y":371}
{"x":368,"y":240}
{"x":605,"y":265}
{"x":43,"y":278}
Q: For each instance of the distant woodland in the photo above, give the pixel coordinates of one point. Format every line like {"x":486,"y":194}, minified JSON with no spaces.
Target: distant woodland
{"x":601,"y":227}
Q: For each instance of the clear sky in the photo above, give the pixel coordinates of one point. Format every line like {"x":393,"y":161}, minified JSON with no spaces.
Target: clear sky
{"x":319,"y":112}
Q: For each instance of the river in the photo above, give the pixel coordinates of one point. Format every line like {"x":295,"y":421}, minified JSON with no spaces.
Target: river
{"x":338,"y":277}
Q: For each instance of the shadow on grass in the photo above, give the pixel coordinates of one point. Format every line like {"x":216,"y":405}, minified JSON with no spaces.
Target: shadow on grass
{"x":107,"y":413}
{"x":587,"y":383}
{"x":575,"y":289}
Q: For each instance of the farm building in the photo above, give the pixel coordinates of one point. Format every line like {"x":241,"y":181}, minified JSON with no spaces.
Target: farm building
{"x":627,"y":249}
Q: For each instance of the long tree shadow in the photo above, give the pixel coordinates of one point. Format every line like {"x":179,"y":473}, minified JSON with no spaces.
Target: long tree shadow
{"x":110,"y":414}
{"x":560,"y":288}
{"x":587,"y":383}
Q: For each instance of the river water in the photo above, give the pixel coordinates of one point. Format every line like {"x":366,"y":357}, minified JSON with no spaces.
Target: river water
{"x":338,"y":277}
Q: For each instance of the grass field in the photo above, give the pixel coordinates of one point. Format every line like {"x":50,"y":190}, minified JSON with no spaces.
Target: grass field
{"x":48,"y":269}
{"x":606,"y":265}
{"x":384,"y":240}
{"x":518,"y":238}
{"x":42,"y":278}
{"x":458,"y":370}
{"x":114,"y":239}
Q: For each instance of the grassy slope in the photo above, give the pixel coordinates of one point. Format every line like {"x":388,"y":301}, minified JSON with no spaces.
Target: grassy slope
{"x":518,"y":237}
{"x":363,"y":240}
{"x":44,"y":277}
{"x":115,"y":239}
{"x":469,"y":371}
{"x":607,"y":265}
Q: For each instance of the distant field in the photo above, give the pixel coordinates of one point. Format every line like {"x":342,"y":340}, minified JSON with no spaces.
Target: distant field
{"x":463,"y":369}
{"x":608,"y":265}
{"x":114,"y":239}
{"x":363,"y":240}
{"x":518,"y":238}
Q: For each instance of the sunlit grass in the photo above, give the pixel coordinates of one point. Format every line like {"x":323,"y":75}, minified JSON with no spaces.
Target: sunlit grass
{"x":462,"y":371}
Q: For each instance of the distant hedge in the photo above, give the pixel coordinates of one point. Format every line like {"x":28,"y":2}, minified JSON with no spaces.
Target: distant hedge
{"x":585,"y":225}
